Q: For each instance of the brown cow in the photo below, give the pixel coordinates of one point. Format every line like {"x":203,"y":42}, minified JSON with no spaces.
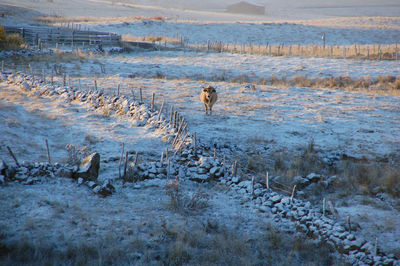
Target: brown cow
{"x":208,"y":97}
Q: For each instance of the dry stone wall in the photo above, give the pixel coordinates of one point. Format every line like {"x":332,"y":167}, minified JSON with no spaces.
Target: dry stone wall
{"x":194,"y":161}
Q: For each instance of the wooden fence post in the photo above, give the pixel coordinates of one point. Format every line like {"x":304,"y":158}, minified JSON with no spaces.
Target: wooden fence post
{"x":234,"y":168}
{"x":13,"y":156}
{"x":126,"y":163}
{"x":161,"y":109}
{"x":152,"y":101}
{"x":348,"y":223}
{"x":141,"y":95}
{"x":47,"y":151}
{"x":291,"y":197}
{"x":52,"y":78}
{"x":194,"y":142}
{"x":120,"y":160}
{"x":171,"y":111}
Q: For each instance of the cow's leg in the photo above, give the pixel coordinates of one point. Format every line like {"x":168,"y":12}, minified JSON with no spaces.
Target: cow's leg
{"x":205,"y":108}
{"x":210,"y":109}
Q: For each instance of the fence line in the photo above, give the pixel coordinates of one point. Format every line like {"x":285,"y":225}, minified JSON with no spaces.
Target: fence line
{"x":354,"y":51}
{"x":37,"y":35}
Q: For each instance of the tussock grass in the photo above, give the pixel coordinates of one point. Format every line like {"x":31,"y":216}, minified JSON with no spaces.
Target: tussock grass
{"x":154,"y":39}
{"x":216,"y":244}
{"x":54,"y":61}
{"x":354,"y":176}
{"x":69,"y":20}
{"x":381,"y":85}
{"x":356,"y":51}
{"x":185,"y":201}
{"x":105,"y":251}
{"x":10,"y":42}
{"x":76,"y":154}
{"x":369,"y":178}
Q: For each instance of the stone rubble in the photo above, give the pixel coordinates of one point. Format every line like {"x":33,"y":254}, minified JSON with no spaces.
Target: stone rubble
{"x":200,"y":166}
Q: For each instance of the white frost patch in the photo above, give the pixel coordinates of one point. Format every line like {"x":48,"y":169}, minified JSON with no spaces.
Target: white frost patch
{"x":29,"y":121}
{"x":375,"y":223}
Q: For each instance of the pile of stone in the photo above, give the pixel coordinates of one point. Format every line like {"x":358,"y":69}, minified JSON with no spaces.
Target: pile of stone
{"x":203,"y":169}
{"x":138,"y":113}
{"x":311,"y":221}
{"x":196,"y":164}
{"x":31,"y":173}
{"x":313,"y":180}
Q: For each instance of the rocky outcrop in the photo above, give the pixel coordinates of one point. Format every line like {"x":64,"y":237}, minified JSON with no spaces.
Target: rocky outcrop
{"x":89,"y":167}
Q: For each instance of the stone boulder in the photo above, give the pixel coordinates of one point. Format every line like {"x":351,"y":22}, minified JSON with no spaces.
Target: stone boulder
{"x":3,"y":167}
{"x":89,"y":167}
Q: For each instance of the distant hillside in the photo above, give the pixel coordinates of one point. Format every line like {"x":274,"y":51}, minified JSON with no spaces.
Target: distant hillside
{"x":246,"y":8}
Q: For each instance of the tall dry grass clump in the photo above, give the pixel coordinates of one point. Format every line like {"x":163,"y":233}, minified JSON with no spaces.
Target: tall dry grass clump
{"x":184,"y":201}
{"x":11,"y":41}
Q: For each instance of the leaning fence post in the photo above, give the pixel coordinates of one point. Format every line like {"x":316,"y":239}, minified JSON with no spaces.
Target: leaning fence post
{"x":160,"y":112}
{"x":291,"y":197}
{"x":13,"y":156}
{"x":47,"y":151}
{"x":2,"y":66}
{"x":267,"y":180}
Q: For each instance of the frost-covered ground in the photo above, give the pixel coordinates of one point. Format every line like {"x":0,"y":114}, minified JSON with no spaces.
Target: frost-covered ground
{"x":271,"y":33}
{"x":26,"y":123}
{"x":58,"y":212}
{"x":352,"y":123}
{"x":209,"y":66}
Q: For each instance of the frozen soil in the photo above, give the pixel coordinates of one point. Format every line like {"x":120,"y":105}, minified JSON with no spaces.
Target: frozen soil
{"x":140,"y":214}
{"x":28,"y":123}
{"x":57,"y":220}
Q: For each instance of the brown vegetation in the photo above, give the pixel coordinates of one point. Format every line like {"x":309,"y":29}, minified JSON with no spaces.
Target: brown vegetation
{"x":354,"y":176}
{"x":11,"y":41}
